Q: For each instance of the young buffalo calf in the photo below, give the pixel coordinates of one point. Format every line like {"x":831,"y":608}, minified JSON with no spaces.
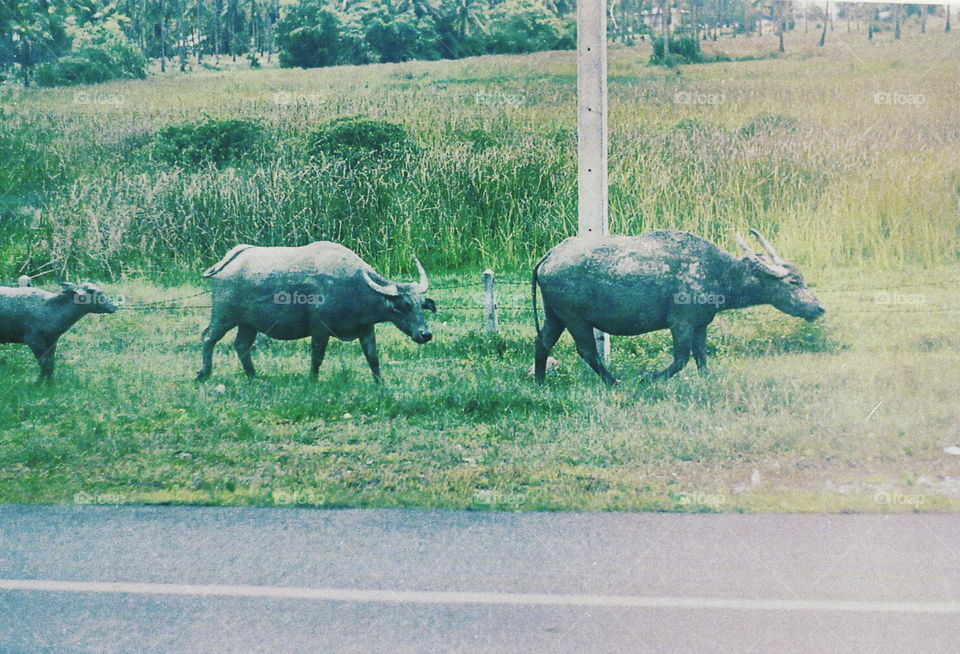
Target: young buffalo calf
{"x":38,"y":318}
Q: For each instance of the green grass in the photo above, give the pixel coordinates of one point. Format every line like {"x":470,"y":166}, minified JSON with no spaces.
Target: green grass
{"x":460,"y":424}
{"x":831,"y":416}
{"x":834,"y":179}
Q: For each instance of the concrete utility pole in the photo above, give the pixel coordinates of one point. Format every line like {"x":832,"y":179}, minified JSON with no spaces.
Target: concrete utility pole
{"x":592,"y":127}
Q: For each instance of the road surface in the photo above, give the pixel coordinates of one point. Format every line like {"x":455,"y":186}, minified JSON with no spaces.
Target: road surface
{"x":194,"y":579}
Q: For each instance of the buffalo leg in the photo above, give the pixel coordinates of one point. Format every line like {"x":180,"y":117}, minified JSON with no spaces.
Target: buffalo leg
{"x":318,"y":348}
{"x":700,"y":347}
{"x":246,"y":336}
{"x":211,"y":336}
{"x":44,"y":354}
{"x":549,"y":335}
{"x":682,"y":344}
{"x":587,"y":348}
{"x":368,"y":343}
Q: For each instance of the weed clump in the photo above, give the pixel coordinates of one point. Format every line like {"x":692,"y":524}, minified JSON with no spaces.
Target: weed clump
{"x":208,"y":141}
{"x":356,"y":138}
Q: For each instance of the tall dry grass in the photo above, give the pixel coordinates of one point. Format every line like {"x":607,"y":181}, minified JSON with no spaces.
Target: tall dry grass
{"x":845,"y":155}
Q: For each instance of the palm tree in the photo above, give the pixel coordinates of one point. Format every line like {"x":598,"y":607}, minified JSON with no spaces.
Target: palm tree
{"x":665,"y":24}
{"x":198,"y":46}
{"x":456,"y":21}
{"x":37,"y":29}
{"x":826,"y":19}
{"x":181,"y":37}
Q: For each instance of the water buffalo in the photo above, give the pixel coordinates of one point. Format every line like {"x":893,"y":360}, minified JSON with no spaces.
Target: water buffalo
{"x":39,"y":318}
{"x":318,"y":290}
{"x":627,"y":285}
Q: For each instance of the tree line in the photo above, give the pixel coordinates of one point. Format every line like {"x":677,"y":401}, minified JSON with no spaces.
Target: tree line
{"x":74,"y":41}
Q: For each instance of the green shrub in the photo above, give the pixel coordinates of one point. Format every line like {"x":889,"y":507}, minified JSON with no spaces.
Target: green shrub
{"x":309,"y":36}
{"x":479,"y":139}
{"x":209,"y":141}
{"x":356,"y":137}
{"x":519,"y":26}
{"x":683,"y":49}
{"x":99,"y":55}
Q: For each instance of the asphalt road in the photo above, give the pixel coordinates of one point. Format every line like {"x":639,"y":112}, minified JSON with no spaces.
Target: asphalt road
{"x":178,"y":579}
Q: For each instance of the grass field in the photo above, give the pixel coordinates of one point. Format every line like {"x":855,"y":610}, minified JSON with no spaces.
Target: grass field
{"x":851,"y":413}
{"x":833,"y":416}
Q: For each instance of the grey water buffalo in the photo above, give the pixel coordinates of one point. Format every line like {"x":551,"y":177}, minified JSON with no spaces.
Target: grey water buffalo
{"x":38,"y":318}
{"x":318,"y":290}
{"x":627,"y":285}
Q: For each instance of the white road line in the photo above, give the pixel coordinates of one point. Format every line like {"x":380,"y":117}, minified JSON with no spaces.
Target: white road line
{"x":456,"y":597}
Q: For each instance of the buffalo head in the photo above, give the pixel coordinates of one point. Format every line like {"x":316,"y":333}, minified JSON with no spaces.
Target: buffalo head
{"x":778,"y":282}
{"x":406,"y":304}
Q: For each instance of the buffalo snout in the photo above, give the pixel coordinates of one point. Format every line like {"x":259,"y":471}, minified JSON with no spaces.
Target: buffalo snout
{"x":422,"y":336}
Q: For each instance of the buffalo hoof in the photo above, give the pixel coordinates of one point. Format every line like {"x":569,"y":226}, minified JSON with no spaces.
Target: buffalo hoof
{"x":552,"y":366}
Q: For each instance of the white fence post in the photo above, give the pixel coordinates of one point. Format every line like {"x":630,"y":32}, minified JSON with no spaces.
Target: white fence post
{"x":592,"y":127}
{"x":489,"y":302}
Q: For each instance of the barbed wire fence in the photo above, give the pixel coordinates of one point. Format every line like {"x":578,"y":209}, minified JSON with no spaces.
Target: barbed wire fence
{"x":886,"y":300}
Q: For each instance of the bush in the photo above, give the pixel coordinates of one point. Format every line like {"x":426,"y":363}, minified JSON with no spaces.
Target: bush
{"x":309,"y":36}
{"x":479,"y":139}
{"x":520,"y":26}
{"x":356,"y":137}
{"x":683,"y":49}
{"x":99,"y":55}
{"x":399,"y":38}
{"x":209,"y":141}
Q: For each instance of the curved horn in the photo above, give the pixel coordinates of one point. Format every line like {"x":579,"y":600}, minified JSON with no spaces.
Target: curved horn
{"x":766,"y":246}
{"x":772,"y":269}
{"x":390,"y":290}
{"x":746,"y":248}
{"x":423,"y":284}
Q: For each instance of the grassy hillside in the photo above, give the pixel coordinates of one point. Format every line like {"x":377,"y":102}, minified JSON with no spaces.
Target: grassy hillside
{"x":843,"y":155}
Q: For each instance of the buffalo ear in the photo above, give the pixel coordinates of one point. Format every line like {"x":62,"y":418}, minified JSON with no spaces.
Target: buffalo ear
{"x":68,"y":287}
{"x":430,"y":305}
